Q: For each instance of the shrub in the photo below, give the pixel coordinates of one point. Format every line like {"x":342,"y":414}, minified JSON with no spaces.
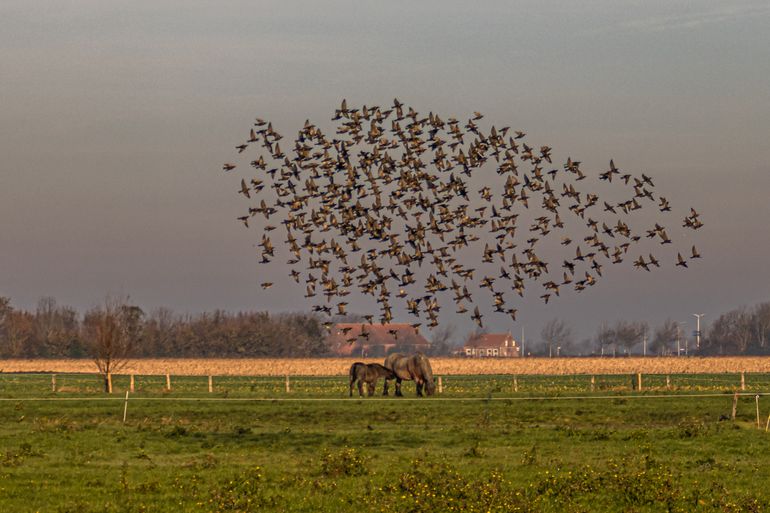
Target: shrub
{"x":347,"y":462}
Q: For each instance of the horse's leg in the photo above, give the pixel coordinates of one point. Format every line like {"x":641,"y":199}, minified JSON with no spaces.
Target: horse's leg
{"x":361,"y":387}
{"x":370,"y":387}
{"x":352,"y":381}
{"x":418,"y":383}
{"x":398,"y":388}
{"x":385,"y":388}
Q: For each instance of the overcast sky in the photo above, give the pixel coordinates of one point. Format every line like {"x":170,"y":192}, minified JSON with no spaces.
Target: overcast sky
{"x":115,"y":119}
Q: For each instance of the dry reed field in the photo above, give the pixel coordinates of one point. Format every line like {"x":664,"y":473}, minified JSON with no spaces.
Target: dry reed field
{"x":441,"y":366}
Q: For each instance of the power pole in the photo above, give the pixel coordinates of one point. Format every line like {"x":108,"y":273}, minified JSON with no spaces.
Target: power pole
{"x":678,"y":346}
{"x":678,"y":332}
{"x":697,"y":331}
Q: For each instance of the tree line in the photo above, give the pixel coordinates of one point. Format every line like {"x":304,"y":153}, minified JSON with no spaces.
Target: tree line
{"x":57,"y":331}
{"x":742,"y":331}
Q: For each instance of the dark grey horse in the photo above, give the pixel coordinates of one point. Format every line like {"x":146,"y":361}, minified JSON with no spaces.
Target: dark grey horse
{"x":368,"y":373}
{"x":415,"y":368}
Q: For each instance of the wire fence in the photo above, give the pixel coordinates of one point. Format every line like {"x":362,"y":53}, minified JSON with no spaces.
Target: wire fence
{"x":80,"y":390}
{"x":80,"y":385}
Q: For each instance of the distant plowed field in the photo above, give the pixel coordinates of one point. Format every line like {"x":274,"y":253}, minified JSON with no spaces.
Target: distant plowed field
{"x":445,"y":366}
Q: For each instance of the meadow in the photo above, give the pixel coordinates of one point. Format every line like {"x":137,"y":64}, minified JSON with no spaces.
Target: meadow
{"x":551,"y":444}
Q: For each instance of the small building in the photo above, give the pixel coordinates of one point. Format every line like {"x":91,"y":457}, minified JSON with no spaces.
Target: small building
{"x":500,"y":345}
{"x":370,"y":340}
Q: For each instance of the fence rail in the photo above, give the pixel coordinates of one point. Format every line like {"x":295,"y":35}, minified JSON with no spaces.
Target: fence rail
{"x":90,"y":388}
{"x":18,"y":385}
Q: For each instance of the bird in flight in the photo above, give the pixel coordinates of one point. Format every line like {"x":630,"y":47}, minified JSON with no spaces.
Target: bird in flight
{"x":415,"y":209}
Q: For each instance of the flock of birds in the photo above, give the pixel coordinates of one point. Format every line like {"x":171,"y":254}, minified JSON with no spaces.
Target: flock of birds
{"x":421,"y":209}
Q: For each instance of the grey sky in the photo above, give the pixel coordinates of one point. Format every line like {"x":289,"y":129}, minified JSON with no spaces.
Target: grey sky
{"x":115,"y":119}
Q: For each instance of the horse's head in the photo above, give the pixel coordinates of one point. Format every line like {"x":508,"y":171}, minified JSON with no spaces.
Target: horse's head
{"x":430,"y":386}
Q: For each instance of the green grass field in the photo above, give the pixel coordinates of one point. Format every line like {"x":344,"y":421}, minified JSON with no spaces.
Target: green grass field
{"x":479,"y":446}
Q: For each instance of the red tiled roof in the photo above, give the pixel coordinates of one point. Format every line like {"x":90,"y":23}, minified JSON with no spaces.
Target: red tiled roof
{"x":348,"y":338}
{"x":491,"y":340}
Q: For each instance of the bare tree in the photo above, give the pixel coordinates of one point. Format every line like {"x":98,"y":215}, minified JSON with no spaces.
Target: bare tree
{"x":111,"y":333}
{"x":605,"y":336}
{"x":16,"y":330}
{"x":629,"y":334}
{"x":555,"y":336}
{"x":5,"y":315}
{"x":441,"y":340}
{"x":159,"y":330}
{"x":731,"y":333}
{"x":664,"y":336}
{"x":761,"y":325}
{"x":56,"y":329}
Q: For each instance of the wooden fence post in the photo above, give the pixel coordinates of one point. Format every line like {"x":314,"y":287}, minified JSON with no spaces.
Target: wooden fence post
{"x":735,"y":406}
{"x":109,"y":382}
{"x":756,"y":400}
{"x":668,"y":382}
{"x":515,"y":383}
{"x":211,"y":385}
{"x":125,"y":406}
{"x":131,"y":384}
{"x":168,"y":382}
{"x":288,"y":386}
{"x":440,"y":385}
{"x":639,"y":381}
{"x":743,"y":381}
{"x":593,"y":383}
{"x":53,"y":383}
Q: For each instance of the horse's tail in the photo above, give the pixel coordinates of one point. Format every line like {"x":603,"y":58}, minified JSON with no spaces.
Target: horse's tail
{"x":353,"y":372}
{"x":427,"y":373}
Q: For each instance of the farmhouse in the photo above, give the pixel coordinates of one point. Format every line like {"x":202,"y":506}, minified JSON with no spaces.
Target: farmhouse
{"x":492,"y":344}
{"x":367,"y":340}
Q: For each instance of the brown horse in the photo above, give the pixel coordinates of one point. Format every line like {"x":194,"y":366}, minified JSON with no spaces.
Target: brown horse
{"x":415,"y":368}
{"x":368,"y":373}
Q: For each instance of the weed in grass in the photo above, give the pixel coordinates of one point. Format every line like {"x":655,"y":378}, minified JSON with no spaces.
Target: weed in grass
{"x":431,"y":486}
{"x":530,"y":456}
{"x":635,"y":435}
{"x":124,"y":486}
{"x":177,"y":432}
{"x":474,"y":451}
{"x":201,"y":463}
{"x":346,"y":462}
{"x":15,"y":457}
{"x":242,"y":430}
{"x":243,"y":493}
{"x":691,"y":428}
{"x":142,"y":455}
{"x":599,"y":435}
